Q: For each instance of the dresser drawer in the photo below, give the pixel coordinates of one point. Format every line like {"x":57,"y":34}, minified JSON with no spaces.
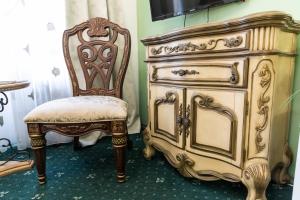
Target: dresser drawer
{"x":231,"y":72}
{"x":207,"y":44}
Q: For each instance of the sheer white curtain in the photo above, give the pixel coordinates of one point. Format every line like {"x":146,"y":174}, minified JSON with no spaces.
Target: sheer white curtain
{"x":31,"y":38}
{"x":124,"y":14}
{"x":31,"y":50}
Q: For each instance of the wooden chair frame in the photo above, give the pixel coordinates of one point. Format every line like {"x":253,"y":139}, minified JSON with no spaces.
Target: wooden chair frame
{"x":96,"y":28}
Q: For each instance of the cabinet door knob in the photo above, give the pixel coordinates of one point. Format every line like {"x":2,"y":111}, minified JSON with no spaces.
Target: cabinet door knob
{"x":178,"y":120}
{"x":183,"y":72}
{"x":186,"y":122}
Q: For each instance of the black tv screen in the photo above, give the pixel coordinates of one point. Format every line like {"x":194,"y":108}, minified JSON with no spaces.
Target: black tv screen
{"x":162,"y":9}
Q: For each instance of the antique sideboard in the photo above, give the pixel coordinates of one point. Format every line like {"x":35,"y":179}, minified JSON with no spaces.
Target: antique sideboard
{"x":218,"y":99}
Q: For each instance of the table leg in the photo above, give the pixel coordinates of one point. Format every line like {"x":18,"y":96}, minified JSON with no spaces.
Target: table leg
{"x":9,"y":165}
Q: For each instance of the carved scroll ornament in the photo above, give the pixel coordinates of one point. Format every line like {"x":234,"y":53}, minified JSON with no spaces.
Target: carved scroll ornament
{"x":186,"y":164}
{"x":154,"y":73}
{"x":98,"y":27}
{"x":262,"y":104}
{"x":207,"y":102}
{"x":170,"y":97}
{"x":95,"y":42}
{"x":184,"y":160}
{"x":191,"y":47}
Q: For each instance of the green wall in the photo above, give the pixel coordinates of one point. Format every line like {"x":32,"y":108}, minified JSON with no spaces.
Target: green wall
{"x":148,"y":28}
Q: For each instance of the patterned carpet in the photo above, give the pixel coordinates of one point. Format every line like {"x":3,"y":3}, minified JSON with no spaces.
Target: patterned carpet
{"x":89,"y":174}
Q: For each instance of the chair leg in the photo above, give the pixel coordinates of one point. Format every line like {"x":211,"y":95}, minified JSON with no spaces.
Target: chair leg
{"x":119,"y":142}
{"x":38,"y":144}
{"x":76,"y":143}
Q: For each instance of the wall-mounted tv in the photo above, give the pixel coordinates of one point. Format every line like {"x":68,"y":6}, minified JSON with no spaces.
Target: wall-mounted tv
{"x":162,"y":9}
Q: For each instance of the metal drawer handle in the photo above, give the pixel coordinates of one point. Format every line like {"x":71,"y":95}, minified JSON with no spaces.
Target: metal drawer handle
{"x":182,"y":72}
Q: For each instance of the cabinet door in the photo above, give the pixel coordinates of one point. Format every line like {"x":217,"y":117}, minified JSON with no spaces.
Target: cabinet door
{"x":166,"y":106}
{"x":216,"y":124}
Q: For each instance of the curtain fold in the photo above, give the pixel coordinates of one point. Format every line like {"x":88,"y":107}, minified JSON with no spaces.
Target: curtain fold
{"x":124,"y":14}
{"x":31,"y":50}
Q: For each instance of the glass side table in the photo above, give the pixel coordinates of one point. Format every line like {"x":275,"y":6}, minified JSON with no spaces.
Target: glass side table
{"x":9,"y":165}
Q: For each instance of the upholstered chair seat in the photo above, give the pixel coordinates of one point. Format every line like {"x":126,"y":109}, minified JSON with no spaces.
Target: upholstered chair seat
{"x":79,"y":109}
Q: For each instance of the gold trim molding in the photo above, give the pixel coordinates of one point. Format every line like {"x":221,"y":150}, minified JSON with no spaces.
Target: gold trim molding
{"x":233,"y":67}
{"x":207,"y":103}
{"x":119,"y":140}
{"x":171,"y":97}
{"x":38,"y":142}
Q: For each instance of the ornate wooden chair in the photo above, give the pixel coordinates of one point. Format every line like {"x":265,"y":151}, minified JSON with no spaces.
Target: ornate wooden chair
{"x":96,"y":53}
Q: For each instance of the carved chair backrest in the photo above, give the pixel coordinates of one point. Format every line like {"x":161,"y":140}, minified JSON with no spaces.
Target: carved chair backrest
{"x":92,"y":53}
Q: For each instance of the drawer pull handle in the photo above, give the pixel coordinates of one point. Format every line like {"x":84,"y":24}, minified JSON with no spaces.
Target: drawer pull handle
{"x":234,"y":79}
{"x":183,"y":72}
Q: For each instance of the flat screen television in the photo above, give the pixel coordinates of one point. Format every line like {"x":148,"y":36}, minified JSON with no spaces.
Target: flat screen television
{"x":162,"y":9}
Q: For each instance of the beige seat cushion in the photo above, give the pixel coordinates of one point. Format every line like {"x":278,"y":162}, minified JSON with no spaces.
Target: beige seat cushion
{"x":79,"y":109}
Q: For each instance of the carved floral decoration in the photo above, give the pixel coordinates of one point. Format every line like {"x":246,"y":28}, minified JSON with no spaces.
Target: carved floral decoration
{"x":189,"y":46}
{"x":262,"y":104}
{"x":170,"y":98}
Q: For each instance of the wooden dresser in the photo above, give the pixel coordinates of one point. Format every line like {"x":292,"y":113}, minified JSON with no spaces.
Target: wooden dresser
{"x":218,"y":99}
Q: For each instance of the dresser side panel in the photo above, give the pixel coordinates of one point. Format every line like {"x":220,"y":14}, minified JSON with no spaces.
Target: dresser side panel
{"x":281,"y":109}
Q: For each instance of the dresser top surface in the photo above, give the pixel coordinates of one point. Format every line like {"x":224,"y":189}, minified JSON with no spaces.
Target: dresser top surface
{"x":270,"y":18}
